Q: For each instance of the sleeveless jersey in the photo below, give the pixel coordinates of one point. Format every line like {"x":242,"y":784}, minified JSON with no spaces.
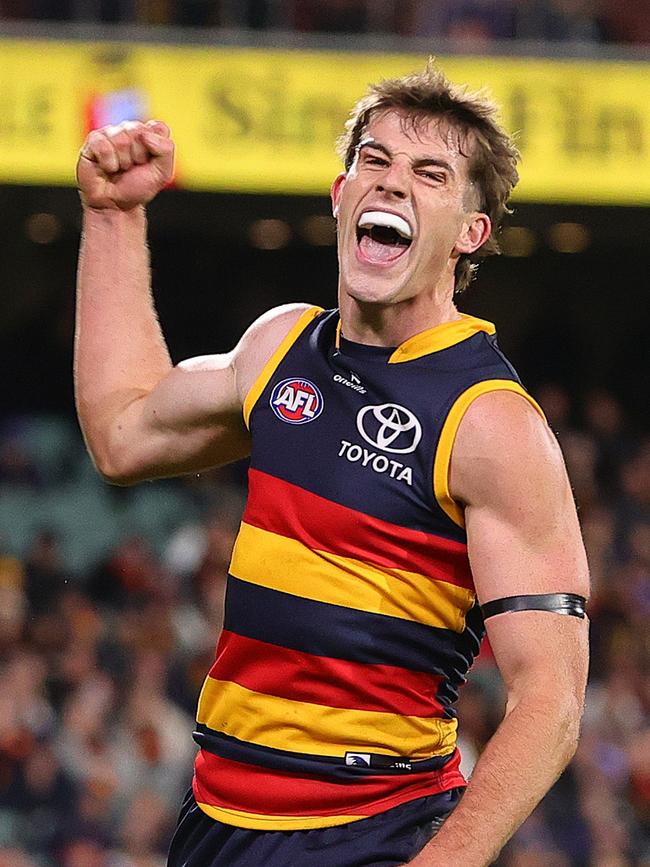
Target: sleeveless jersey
{"x":350,"y":617}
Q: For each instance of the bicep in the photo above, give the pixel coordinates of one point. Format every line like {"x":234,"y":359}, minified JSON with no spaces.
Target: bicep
{"x":193,"y":418}
{"x":522,"y":528}
{"x":523,"y":538}
{"x":197,"y":392}
{"x":190,"y":421}
{"x":211,"y":389}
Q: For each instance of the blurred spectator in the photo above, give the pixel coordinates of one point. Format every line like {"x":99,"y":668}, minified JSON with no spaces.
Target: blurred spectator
{"x":16,"y":466}
{"x":84,"y":853}
{"x":467,"y":21}
{"x":45,"y":576}
{"x":476,"y":21}
{"x":605,"y":419}
{"x":13,"y":602}
{"x":628,"y":21}
{"x":335,"y":16}
{"x":83,"y":741}
{"x":533,"y":845}
{"x":598,"y":534}
{"x":25,"y":712}
{"x":130,"y":574}
{"x":557,"y":20}
{"x":186,"y":549}
{"x":197,"y":13}
{"x":42,"y":793}
{"x":145,"y":830}
{"x":579,"y":447}
{"x":633,"y":505}
{"x":150,"y":745}
{"x":13,"y":857}
{"x":100,"y":674}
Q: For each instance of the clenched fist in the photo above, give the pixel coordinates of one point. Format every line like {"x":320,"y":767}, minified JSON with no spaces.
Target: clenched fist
{"x":126,"y":165}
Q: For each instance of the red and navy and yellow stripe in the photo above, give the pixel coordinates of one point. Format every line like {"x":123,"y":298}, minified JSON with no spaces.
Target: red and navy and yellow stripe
{"x":350,"y":616}
{"x":331,"y":645}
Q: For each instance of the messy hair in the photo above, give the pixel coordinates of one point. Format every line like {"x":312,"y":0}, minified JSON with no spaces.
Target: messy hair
{"x":470,"y":115}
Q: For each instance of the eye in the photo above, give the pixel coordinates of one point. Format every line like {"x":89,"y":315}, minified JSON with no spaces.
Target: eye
{"x":433,"y":177}
{"x":374,"y":160}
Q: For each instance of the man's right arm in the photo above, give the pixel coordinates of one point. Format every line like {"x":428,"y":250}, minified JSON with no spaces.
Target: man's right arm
{"x":141,"y":417}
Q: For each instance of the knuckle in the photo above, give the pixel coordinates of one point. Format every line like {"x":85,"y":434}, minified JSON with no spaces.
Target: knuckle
{"x":139,"y":154}
{"x":121,"y":139}
{"x":93,"y":140}
{"x":105,"y":147}
{"x":131,"y":126}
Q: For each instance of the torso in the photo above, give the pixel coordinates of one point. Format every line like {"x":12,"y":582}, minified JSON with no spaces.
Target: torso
{"x":350,"y":616}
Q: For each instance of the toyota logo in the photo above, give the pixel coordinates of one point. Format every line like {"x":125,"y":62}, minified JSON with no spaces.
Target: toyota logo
{"x":389,"y":427}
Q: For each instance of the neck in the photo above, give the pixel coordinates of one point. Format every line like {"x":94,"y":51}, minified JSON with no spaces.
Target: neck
{"x":391,"y":324}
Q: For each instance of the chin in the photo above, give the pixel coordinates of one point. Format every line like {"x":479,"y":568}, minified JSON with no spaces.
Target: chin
{"x":376,"y":288}
{"x":372,"y":292}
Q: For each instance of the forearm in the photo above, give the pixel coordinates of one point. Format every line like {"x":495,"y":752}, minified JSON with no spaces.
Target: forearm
{"x":527,"y":753}
{"x":120,"y":353}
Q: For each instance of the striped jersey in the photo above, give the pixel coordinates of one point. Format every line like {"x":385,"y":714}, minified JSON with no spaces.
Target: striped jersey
{"x":350,"y":617}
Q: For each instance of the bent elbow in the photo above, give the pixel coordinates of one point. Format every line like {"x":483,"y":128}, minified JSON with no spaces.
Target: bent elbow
{"x":116,"y":467}
{"x":570,"y":724}
{"x":115,"y":475}
{"x":119,"y":480}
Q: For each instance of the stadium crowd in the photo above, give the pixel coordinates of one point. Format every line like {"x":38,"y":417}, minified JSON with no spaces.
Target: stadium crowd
{"x":110,"y":605}
{"x":468,"y":22}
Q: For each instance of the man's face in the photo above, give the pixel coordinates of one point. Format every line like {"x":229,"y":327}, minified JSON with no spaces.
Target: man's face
{"x":405,"y":210}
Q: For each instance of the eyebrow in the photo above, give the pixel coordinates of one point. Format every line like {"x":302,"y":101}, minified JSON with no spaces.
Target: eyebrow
{"x":417,"y":163}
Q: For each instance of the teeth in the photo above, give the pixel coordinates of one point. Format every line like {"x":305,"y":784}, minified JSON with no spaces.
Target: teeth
{"x":381,"y":218}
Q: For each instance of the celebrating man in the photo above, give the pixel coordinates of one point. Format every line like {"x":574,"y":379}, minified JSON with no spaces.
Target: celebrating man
{"x":403,"y":490}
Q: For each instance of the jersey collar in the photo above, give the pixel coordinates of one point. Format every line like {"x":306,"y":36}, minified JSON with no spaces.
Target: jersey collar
{"x":435,"y":339}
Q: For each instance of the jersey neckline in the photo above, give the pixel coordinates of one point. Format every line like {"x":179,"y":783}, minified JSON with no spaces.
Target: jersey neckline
{"x":363,"y":350}
{"x":427,"y":342}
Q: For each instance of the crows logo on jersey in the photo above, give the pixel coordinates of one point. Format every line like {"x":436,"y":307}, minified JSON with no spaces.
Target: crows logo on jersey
{"x":296,"y":401}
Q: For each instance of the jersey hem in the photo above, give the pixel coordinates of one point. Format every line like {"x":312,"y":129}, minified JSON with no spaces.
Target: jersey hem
{"x":259,"y":822}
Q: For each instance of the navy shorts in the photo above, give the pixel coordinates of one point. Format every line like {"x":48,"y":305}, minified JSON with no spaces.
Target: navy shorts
{"x":385,"y":840}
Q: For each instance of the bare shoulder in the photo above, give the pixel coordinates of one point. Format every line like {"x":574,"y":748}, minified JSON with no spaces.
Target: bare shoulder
{"x":522,"y":527}
{"x":273,"y":325}
{"x":224,"y":379}
{"x":504,"y":446}
{"x":259,"y":342}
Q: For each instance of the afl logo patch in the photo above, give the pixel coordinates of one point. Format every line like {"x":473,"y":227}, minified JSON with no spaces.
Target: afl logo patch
{"x":296,"y":401}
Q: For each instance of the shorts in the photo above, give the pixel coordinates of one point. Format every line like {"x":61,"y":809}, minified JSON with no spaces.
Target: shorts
{"x":384,"y":840}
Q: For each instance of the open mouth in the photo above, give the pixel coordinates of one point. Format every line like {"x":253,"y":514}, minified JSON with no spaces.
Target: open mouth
{"x":382,"y":237}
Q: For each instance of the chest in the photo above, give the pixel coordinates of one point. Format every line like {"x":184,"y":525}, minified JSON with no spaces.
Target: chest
{"x":360,"y":432}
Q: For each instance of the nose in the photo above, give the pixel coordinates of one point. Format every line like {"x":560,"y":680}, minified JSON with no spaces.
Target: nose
{"x":394,"y":181}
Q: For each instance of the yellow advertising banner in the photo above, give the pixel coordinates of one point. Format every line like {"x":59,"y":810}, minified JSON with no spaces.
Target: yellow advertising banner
{"x":266,"y":121}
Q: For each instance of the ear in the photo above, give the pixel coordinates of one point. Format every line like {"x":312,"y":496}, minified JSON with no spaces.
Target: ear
{"x":335,"y":192}
{"x":475,"y":231}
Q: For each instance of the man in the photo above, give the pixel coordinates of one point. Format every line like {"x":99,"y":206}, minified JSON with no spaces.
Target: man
{"x":400,"y":475}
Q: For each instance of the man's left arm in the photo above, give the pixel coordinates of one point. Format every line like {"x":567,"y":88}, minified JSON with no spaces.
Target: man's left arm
{"x":523,"y":539}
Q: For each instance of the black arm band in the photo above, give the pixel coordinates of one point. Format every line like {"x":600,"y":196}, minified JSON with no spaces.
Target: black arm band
{"x":558,"y":603}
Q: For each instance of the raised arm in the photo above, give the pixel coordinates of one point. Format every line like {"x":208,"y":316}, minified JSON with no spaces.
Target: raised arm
{"x":141,"y":417}
{"x":523,"y":538}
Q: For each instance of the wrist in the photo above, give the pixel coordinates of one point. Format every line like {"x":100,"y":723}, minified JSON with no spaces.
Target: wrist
{"x":114,"y":217}
{"x":90,"y":209}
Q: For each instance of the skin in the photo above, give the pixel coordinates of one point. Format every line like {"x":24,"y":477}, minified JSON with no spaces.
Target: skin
{"x":143,"y":418}
{"x":421,"y":174}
